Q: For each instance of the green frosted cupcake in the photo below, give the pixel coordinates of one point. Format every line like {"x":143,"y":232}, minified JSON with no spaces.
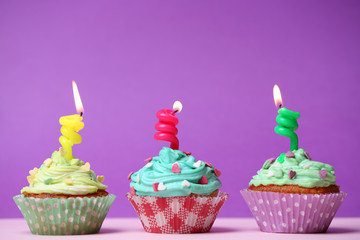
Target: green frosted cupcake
{"x":64,"y":197}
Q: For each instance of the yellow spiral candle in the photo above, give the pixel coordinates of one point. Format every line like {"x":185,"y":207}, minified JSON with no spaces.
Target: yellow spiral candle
{"x":70,"y":126}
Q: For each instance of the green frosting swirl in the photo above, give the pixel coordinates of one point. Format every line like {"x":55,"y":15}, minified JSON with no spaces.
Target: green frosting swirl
{"x":307,"y":172}
{"x":158,"y":171}
{"x":60,"y":176}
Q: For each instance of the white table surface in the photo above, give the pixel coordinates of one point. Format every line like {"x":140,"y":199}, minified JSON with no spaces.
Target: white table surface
{"x":223,"y":229}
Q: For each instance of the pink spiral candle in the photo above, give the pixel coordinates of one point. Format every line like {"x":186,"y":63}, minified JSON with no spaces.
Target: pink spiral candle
{"x":167,"y":127}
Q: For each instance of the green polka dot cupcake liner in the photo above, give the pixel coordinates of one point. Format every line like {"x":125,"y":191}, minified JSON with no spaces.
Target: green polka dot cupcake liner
{"x":71,"y":216}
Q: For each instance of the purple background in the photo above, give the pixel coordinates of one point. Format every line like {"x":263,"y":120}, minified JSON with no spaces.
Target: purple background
{"x":220,"y":58}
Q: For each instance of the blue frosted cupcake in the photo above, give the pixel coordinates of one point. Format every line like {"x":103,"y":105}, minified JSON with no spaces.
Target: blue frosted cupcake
{"x":174,"y":193}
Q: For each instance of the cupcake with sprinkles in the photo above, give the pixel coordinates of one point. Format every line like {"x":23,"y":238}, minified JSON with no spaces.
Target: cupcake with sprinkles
{"x":174,"y":192}
{"x":293,"y":193}
{"x":64,"y":196}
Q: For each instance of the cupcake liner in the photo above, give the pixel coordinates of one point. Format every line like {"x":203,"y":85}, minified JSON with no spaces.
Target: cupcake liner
{"x":71,"y":216}
{"x":293,"y":213}
{"x":177,"y":214}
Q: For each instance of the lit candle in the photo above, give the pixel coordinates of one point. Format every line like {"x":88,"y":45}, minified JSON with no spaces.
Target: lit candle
{"x":71,"y":125}
{"x":287,"y":120}
{"x":167,"y":125}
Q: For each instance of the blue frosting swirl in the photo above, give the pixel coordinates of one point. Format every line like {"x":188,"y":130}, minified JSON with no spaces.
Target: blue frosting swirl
{"x":167,"y":183}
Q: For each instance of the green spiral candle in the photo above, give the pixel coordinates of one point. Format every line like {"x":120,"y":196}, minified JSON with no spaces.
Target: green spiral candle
{"x":287,"y":125}
{"x":286,"y":120}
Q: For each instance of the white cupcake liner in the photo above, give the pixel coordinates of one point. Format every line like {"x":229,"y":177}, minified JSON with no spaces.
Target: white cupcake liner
{"x":293,"y":213}
{"x":64,"y":216}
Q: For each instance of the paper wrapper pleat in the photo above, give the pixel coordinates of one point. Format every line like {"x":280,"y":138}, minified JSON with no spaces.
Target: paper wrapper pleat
{"x":293,"y":213}
{"x":177,"y":214}
{"x":72,"y":216}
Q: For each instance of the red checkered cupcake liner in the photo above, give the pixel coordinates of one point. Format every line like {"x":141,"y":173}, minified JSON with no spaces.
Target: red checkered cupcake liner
{"x":177,"y":214}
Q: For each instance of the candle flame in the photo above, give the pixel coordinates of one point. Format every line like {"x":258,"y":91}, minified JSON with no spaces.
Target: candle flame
{"x":78,"y":103}
{"x":277,"y":96}
{"x":177,"y":106}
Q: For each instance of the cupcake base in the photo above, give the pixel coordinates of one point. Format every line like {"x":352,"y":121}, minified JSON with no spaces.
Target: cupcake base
{"x":293,"y":213}
{"x":61,"y":216}
{"x":295,"y":189}
{"x":177,"y":215}
{"x":99,"y":193}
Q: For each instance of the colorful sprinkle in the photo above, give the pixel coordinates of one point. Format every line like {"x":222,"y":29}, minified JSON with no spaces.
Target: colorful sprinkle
{"x":185,"y":183}
{"x":33,"y":172}
{"x":68,"y":181}
{"x":86,"y":166}
{"x":132,"y":191}
{"x":155,"y":186}
{"x":197,"y":164}
{"x":208,"y":164}
{"x":307,"y":166}
{"x":322,"y":173}
{"x":307,"y":155}
{"x":62,"y":151}
{"x":48,"y":162}
{"x":149,"y":164}
{"x":292,"y":174}
{"x":175,"y":168}
{"x":48,"y":181}
{"x":129,"y":176}
{"x":31,"y":179}
{"x":268,"y":163}
{"x":203,"y":180}
{"x":100,"y":179}
{"x":290,"y":154}
{"x":270,"y":174}
{"x":148,"y":159}
{"x":187,"y":153}
{"x":161,"y":186}
{"x":217,"y":172}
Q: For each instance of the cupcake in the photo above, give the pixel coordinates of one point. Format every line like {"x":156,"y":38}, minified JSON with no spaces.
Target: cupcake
{"x":174,"y":193}
{"x":294,"y":194}
{"x":64,"y":197}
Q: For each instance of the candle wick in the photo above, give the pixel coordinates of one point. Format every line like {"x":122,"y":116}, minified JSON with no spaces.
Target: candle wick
{"x":176,"y":110}
{"x":81,"y":114}
{"x":280,"y":105}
